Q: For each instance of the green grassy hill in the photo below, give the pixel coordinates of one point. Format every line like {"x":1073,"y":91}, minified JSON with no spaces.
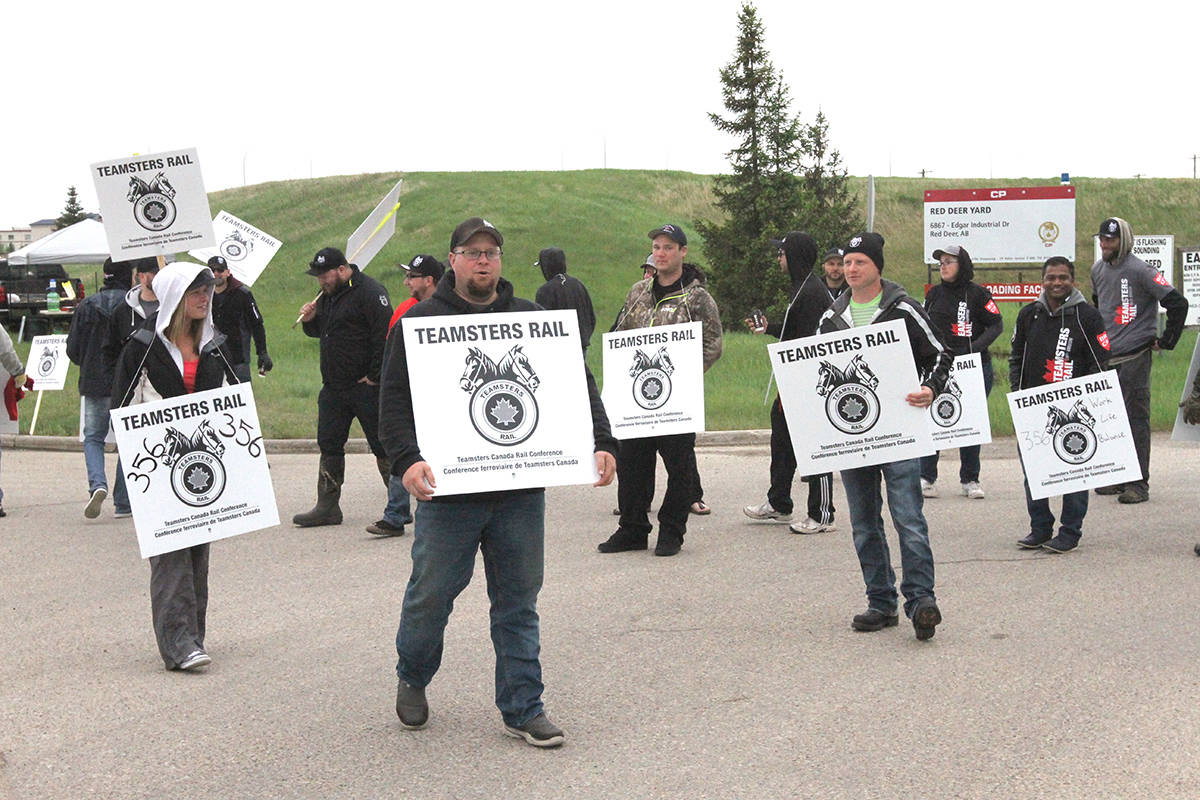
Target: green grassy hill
{"x":600,"y":218}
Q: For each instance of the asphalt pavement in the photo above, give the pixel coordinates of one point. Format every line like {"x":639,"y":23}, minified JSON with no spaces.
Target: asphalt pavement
{"x":728,"y":671}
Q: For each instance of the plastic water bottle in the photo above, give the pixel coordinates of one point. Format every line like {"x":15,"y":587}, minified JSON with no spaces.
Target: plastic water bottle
{"x":52,"y":299}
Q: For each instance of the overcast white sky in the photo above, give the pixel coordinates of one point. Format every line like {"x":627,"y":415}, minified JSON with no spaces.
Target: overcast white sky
{"x":278,"y":91}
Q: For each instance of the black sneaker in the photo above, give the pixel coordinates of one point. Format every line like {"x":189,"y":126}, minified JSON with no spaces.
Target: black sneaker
{"x":539,"y":732}
{"x":1134,"y":493}
{"x":1033,"y":541}
{"x":1116,"y":489}
{"x":621,"y":541}
{"x":411,"y":707}
{"x":1061,"y":544}
{"x":874,"y":620}
{"x":925,"y":618}
{"x":385,"y":528}
{"x":668,"y":545}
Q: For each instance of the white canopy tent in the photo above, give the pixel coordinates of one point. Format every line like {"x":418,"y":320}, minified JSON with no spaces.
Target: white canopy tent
{"x":81,"y":243}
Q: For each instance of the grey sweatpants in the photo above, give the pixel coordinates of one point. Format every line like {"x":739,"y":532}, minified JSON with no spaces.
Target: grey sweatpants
{"x":179,"y":602}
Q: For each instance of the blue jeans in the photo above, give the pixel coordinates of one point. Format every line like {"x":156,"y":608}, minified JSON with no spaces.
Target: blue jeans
{"x":865,"y":501}
{"x":1041,"y":518}
{"x":968,"y":457}
{"x":95,"y":428}
{"x":510,"y":532}
{"x":397,"y":511}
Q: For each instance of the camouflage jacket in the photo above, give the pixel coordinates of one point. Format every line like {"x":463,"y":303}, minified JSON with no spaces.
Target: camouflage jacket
{"x":692,"y":304}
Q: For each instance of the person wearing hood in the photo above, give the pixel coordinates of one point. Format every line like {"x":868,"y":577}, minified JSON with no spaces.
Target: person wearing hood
{"x":350,"y":318}
{"x":874,"y":300}
{"x":811,"y":296}
{"x":563,"y":291}
{"x":1128,"y":292}
{"x":966,"y":317}
{"x":237,"y":316}
{"x":674,"y":295}
{"x":184,"y":353}
{"x":1057,"y":337}
{"x":136,"y":311}
{"x":85,"y":347}
{"x":507,"y":526}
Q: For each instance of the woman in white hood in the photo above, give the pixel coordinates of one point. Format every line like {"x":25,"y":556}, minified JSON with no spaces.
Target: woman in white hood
{"x":183,"y":354}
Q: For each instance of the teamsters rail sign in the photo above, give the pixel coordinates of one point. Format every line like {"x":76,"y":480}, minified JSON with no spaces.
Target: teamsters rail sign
{"x":843,"y":397}
{"x":959,"y":414}
{"x":196,"y":468}
{"x":245,"y":248}
{"x":153,"y":205}
{"x":1074,"y":435}
{"x":501,"y":400}
{"x":654,"y":381}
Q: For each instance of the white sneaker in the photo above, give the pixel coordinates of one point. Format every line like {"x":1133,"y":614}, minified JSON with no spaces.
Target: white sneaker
{"x":973,"y":490}
{"x":197,"y":658}
{"x":810,"y":525}
{"x":928,"y":489}
{"x":766,"y":511}
{"x":92,"y":509}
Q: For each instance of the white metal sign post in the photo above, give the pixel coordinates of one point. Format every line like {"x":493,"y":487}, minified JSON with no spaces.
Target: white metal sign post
{"x":654,"y":381}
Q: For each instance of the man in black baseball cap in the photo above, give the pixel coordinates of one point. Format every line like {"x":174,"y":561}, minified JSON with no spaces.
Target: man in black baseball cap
{"x":350,"y":318}
{"x":236,"y":314}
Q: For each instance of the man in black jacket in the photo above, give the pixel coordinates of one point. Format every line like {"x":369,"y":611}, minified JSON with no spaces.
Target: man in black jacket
{"x":966,"y":317}
{"x":237,"y":316}
{"x":85,"y":346}
{"x":811,"y":296}
{"x":873,"y":300}
{"x":562,"y":291}
{"x":1057,"y":337}
{"x":507,"y":526}
{"x":351,"y":320}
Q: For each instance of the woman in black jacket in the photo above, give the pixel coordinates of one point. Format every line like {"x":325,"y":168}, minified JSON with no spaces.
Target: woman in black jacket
{"x":965,"y":316}
{"x":181,"y":355}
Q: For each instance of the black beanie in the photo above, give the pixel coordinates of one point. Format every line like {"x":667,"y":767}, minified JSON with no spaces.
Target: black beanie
{"x":869,"y":244}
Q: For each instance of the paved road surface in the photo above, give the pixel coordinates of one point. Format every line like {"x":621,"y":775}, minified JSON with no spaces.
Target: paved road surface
{"x":729,"y":671}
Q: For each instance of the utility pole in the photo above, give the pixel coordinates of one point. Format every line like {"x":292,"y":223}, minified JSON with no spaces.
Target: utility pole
{"x":1193,"y":166}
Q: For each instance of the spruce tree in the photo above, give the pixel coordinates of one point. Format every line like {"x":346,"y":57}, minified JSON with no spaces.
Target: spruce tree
{"x":72,"y":211}
{"x":783,"y":176}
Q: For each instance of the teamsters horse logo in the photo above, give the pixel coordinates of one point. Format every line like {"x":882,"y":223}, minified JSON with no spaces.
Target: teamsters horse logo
{"x":850,"y":401}
{"x":1074,"y":440}
{"x":946,"y":408}
{"x":651,"y":378}
{"x":503,"y":409}
{"x":153,"y":203}
{"x":236,"y":247}
{"x":197,"y":474}
{"x":47,"y":361}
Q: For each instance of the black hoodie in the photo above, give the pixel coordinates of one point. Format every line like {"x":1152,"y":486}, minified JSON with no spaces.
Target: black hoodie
{"x":811,"y":296}
{"x":565,"y":292}
{"x":397,"y":426}
{"x":964,"y":313}
{"x":1052,"y":346}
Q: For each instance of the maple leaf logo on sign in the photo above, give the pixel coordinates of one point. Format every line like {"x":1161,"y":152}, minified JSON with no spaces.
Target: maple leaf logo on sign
{"x":502,"y":406}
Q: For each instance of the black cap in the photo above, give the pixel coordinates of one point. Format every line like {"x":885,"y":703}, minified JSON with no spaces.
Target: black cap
{"x":146,"y":265}
{"x":112,"y":269}
{"x":327,"y":258}
{"x":674,"y":231}
{"x":869,"y":244}
{"x":552,"y":259}
{"x":469,"y":227}
{"x":425,"y":266}
{"x":948,"y":250}
{"x":203,"y":278}
{"x":218,"y":262}
{"x":1110,"y":227}
{"x":833,"y":252}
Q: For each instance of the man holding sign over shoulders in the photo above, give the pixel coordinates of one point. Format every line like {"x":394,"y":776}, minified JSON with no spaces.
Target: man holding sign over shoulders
{"x":507,"y":526}
{"x":873,"y":300}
